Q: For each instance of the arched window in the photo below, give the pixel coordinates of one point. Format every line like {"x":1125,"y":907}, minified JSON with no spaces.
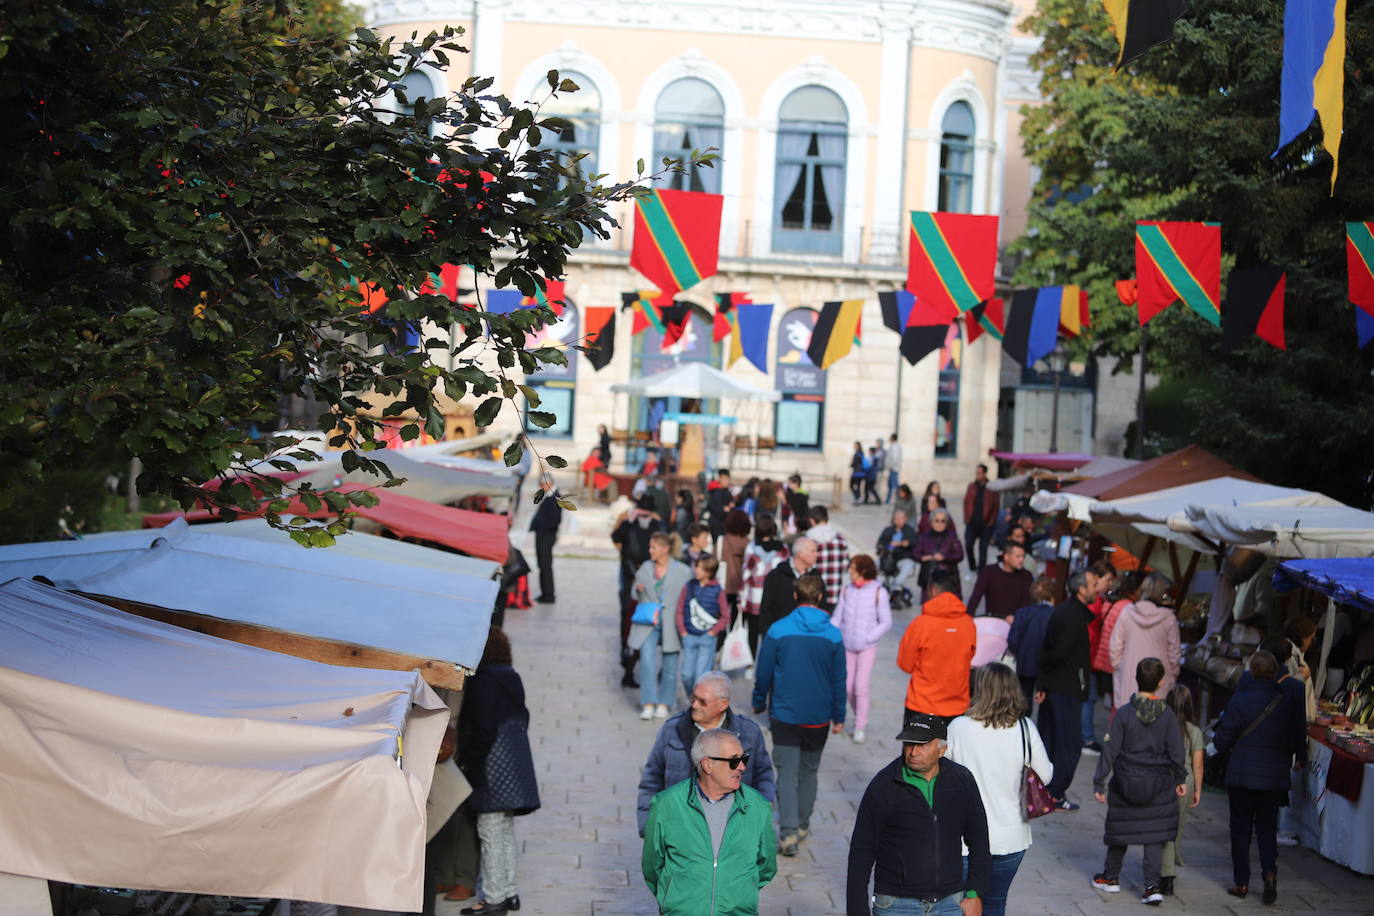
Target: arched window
{"x":582,"y":110}
{"x":813,"y":132}
{"x":417,"y":86}
{"x":947,"y":394}
{"x":799,"y":418}
{"x":956,"y":159}
{"x":689,"y":115}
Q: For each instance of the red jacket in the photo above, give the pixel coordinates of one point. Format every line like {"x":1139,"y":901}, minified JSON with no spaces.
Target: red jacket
{"x":989,"y":506}
{"x":937,"y":649}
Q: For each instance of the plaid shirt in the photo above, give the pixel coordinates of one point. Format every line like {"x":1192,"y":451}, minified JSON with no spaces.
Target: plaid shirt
{"x":756,"y":569}
{"x":832,"y":562}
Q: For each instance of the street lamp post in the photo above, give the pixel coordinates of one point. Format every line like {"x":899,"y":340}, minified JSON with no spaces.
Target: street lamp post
{"x":1058,"y":361}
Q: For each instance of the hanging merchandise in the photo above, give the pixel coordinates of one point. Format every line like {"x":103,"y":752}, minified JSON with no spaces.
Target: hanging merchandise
{"x":1141,"y":24}
{"x":1254,"y":305}
{"x":1176,"y":261}
{"x":749,"y":324}
{"x":953,"y":261}
{"x":599,"y":322}
{"x":836,"y":332}
{"x":1032,"y":324}
{"x":725,"y":303}
{"x":1313,"y":81}
{"x":677,"y":238}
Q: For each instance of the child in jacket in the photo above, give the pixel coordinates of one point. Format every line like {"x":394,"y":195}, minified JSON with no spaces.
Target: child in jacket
{"x":702,"y":614}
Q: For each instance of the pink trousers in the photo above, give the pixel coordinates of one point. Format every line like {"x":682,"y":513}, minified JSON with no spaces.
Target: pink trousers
{"x":858,"y":672}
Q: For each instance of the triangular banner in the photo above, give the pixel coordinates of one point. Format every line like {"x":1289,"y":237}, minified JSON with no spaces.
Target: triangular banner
{"x":646,"y":307}
{"x":723,"y":324}
{"x":749,"y":324}
{"x":987,"y":317}
{"x":1032,"y":324}
{"x":598,"y":323}
{"x":896,"y":307}
{"x":953,"y":259}
{"x":1178,"y":261}
{"x":1073,"y":311}
{"x":1141,"y":24}
{"x":1359,"y":262}
{"x":1313,"y":76}
{"x":1364,"y":327}
{"x":677,"y":237}
{"x":835,"y":331}
{"x":1254,"y":305}
{"x":921,"y":340}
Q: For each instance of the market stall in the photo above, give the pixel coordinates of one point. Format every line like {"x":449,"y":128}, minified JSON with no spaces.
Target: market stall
{"x":147,"y":755}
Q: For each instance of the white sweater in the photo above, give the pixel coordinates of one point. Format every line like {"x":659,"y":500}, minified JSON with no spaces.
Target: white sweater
{"x":995,"y":758}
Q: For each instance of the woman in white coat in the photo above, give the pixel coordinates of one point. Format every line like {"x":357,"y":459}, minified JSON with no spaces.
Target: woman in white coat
{"x":995,"y":740}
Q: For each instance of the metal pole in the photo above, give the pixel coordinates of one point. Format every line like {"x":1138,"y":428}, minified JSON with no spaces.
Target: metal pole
{"x":1054,"y":414}
{"x":1140,"y":403}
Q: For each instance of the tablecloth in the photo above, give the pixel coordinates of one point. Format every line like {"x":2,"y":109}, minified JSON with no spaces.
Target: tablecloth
{"x":1340,"y":829}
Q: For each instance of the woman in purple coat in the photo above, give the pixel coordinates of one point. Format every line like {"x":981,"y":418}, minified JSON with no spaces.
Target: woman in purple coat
{"x":939,"y":546}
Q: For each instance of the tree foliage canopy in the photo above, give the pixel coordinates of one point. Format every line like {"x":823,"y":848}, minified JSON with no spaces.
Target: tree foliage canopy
{"x":191,"y":195}
{"x":1185,"y":133}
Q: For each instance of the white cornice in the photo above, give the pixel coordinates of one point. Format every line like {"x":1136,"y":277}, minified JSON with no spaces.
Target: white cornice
{"x":1023,"y":82}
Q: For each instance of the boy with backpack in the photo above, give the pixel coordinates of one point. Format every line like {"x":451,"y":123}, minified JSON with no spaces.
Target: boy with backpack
{"x":1143,"y":757}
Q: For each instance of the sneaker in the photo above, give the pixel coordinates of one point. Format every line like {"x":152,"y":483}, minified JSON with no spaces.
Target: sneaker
{"x":788,"y":845}
{"x":1107,"y":884}
{"x":859,"y":737}
{"x":1166,"y":885}
{"x":1288,"y":839}
{"x":803,"y":833}
{"x":647,"y":712}
{"x":1092,"y":749}
{"x":1063,"y":804}
{"x":661,"y":712}
{"x":1152,"y":896}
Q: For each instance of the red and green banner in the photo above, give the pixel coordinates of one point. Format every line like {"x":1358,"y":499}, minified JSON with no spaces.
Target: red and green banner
{"x":989,"y":317}
{"x":1176,"y":261}
{"x":1359,"y":260}
{"x":953,"y":261}
{"x":677,"y":237}
{"x":646,"y":305}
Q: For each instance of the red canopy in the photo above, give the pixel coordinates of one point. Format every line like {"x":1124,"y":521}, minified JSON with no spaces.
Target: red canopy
{"x":1051,"y":461}
{"x":1187,"y":465}
{"x":479,"y":534}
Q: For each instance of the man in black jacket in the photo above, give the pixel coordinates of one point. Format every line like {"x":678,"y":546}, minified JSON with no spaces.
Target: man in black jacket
{"x":779,"y":598}
{"x":1065,"y":666}
{"x":545,"y":524}
{"x":915,"y":817}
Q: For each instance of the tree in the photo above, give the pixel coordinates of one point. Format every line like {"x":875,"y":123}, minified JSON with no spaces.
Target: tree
{"x":198,"y":197}
{"x":1186,"y":133}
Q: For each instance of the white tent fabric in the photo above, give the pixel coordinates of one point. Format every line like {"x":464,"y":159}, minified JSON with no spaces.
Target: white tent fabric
{"x":695,"y":380}
{"x":1288,"y":531}
{"x":1156,"y":507}
{"x":141,"y":754}
{"x":427,"y":613}
{"x":315,"y":442}
{"x":424,"y":480}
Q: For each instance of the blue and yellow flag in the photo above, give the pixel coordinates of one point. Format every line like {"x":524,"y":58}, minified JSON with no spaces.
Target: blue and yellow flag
{"x":1313,"y":73}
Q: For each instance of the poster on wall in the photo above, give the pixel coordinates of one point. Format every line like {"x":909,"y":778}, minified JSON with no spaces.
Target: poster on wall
{"x":561,"y":334}
{"x":797,"y":374}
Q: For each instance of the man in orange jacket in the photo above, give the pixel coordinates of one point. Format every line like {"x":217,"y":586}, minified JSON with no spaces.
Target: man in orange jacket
{"x":937,"y":650}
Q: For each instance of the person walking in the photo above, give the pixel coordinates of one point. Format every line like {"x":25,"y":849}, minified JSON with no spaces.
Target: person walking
{"x":800,"y":681}
{"x":1125,"y":593}
{"x":1264,"y":729}
{"x":670,"y":759}
{"x":980,"y":519}
{"x":905,"y":502}
{"x":763,"y":556}
{"x":1005,"y":584}
{"x":708,"y":840}
{"x":547,"y":517}
{"x":660,"y":582}
{"x":702,"y":615}
{"x":873,"y":466}
{"x":631,"y":535}
{"x":1063,"y":685}
{"x":862,"y":615}
{"x":917,"y":816}
{"x":1027,"y":636}
{"x":937,"y":651}
{"x":779,"y":597}
{"x":1180,"y":700}
{"x":494,"y":755}
{"x":685,"y":515}
{"x":858,"y":462}
{"x":719,"y":501}
{"x":738,"y":524}
{"x":940,"y":548}
{"x":894,"y":467}
{"x":832,"y":554}
{"x":1140,"y":777}
{"x":995,"y":741}
{"x":603,"y":445}
{"x":1146,"y":628}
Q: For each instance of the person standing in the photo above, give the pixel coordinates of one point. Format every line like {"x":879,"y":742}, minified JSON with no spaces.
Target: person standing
{"x":494,"y":755}
{"x":631,"y":535}
{"x":1265,"y":730}
{"x":857,"y":464}
{"x":1121,"y":597}
{"x":800,"y":680}
{"x":796,"y":507}
{"x":547,"y":517}
{"x":698,"y":544}
{"x":917,"y":816}
{"x":1145,"y":629}
{"x":940,"y":547}
{"x":603,"y":445}
{"x":719,"y":501}
{"x":732,"y":549}
{"x":1027,"y":636}
{"x":702,"y":615}
{"x":995,"y":741}
{"x":1063,"y":685}
{"x":1006,"y":584}
{"x":708,"y":840}
{"x":832,"y":554}
{"x":1180,"y":700}
{"x":937,"y":651}
{"x":980,"y":518}
{"x":762,"y":557}
{"x":659,"y":581}
{"x":862,"y":615}
{"x":873,"y":466}
{"x":779,"y":596}
{"x":906,"y":502}
{"x":894,"y":467}
{"x":670,"y":759}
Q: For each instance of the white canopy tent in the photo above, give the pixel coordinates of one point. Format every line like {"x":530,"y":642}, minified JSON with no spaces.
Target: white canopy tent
{"x":141,"y":754}
{"x":1308,"y":531}
{"x":695,"y":380}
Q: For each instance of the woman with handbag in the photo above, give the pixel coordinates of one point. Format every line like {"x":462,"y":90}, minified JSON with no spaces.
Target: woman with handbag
{"x":1009,"y":763}
{"x":938,"y":548}
{"x":658,"y":585}
{"x":862,"y":615}
{"x":494,"y":755}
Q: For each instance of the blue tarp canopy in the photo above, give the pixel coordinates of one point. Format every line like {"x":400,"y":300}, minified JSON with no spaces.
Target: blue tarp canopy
{"x":1347,"y":580}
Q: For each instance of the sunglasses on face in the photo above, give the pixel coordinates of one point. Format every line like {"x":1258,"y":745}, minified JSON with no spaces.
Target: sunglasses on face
{"x":735,"y":762}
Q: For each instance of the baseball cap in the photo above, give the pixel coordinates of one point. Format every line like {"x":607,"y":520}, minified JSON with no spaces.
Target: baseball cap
{"x":923,"y":729}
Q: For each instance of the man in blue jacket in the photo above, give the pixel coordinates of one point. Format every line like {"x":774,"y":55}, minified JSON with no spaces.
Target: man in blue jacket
{"x":801,"y":666}
{"x":670,"y":761}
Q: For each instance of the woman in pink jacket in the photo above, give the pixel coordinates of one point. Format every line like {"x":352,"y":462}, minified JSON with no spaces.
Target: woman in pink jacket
{"x":1146,"y":629}
{"x":863,"y":614}
{"x":1123,"y":596}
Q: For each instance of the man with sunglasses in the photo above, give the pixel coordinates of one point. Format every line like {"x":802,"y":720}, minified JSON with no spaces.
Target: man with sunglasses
{"x":708,"y":842}
{"x":670,"y":760}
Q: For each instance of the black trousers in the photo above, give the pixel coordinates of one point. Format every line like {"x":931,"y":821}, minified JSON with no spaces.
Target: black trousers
{"x":1061,"y":728}
{"x":980,"y":537}
{"x":1028,"y":691}
{"x":1254,"y":811}
{"x":1152,"y":861}
{"x":543,"y":552}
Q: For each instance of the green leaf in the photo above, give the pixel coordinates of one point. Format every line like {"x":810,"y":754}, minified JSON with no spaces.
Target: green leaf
{"x":541,"y":418}
{"x":555,"y":461}
{"x":513,"y":453}
{"x":486,"y":412}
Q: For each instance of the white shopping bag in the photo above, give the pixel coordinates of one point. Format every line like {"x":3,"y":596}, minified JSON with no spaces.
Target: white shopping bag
{"x":734,"y":653}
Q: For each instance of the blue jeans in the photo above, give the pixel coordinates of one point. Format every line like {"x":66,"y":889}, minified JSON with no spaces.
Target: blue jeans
{"x":883,"y":905}
{"x":1089,"y":733}
{"x":894,"y":480}
{"x":657,"y":672}
{"x":999,"y":881}
{"x":698,"y":654}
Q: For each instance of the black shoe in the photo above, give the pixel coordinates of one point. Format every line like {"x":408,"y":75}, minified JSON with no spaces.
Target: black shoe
{"x":1271,"y":889}
{"x":487,"y":908}
{"x":544,"y":599}
{"x":1166,"y":886}
{"x":629,"y":680}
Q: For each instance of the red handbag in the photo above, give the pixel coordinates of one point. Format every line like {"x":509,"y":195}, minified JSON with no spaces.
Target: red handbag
{"x":1036,"y":800}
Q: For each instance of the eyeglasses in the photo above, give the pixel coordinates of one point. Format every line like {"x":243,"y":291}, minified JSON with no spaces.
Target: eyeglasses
{"x":704,"y":701}
{"x":735,"y":762}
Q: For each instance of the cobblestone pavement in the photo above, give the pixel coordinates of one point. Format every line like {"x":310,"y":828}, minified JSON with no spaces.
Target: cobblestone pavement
{"x":580,"y":852}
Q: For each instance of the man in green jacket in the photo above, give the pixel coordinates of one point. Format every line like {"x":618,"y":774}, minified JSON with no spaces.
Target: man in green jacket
{"x":708,"y":843}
